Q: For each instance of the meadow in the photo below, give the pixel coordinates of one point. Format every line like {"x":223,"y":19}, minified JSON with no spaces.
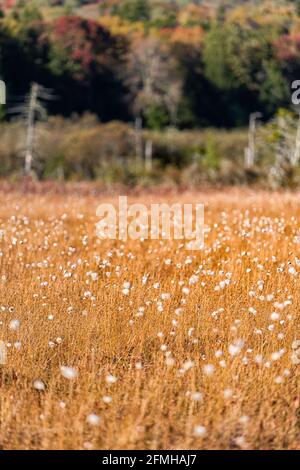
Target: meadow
{"x":143,"y":344}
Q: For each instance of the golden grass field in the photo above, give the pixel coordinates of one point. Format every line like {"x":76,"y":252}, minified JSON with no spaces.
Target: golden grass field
{"x":212,"y":366}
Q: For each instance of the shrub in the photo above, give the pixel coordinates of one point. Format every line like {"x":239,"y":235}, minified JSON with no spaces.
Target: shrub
{"x":82,"y":148}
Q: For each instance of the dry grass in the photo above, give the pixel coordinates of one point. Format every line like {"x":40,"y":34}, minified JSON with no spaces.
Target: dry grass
{"x":48,"y":246}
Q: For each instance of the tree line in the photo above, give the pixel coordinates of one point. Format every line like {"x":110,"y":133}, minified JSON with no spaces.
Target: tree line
{"x":209,"y":68}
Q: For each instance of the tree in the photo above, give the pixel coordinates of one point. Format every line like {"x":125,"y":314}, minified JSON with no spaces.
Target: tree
{"x":135,"y":10}
{"x":85,"y":60}
{"x":216,"y":61}
{"x":154,"y":81}
{"x":240,"y":63}
{"x":287,"y":51}
{"x":80,"y":47}
{"x":283,"y":140}
{"x":31,"y":110}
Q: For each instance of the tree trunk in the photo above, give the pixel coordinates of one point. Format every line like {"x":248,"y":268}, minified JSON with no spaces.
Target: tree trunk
{"x":148,"y":155}
{"x":138,"y":140}
{"x":30,"y":128}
